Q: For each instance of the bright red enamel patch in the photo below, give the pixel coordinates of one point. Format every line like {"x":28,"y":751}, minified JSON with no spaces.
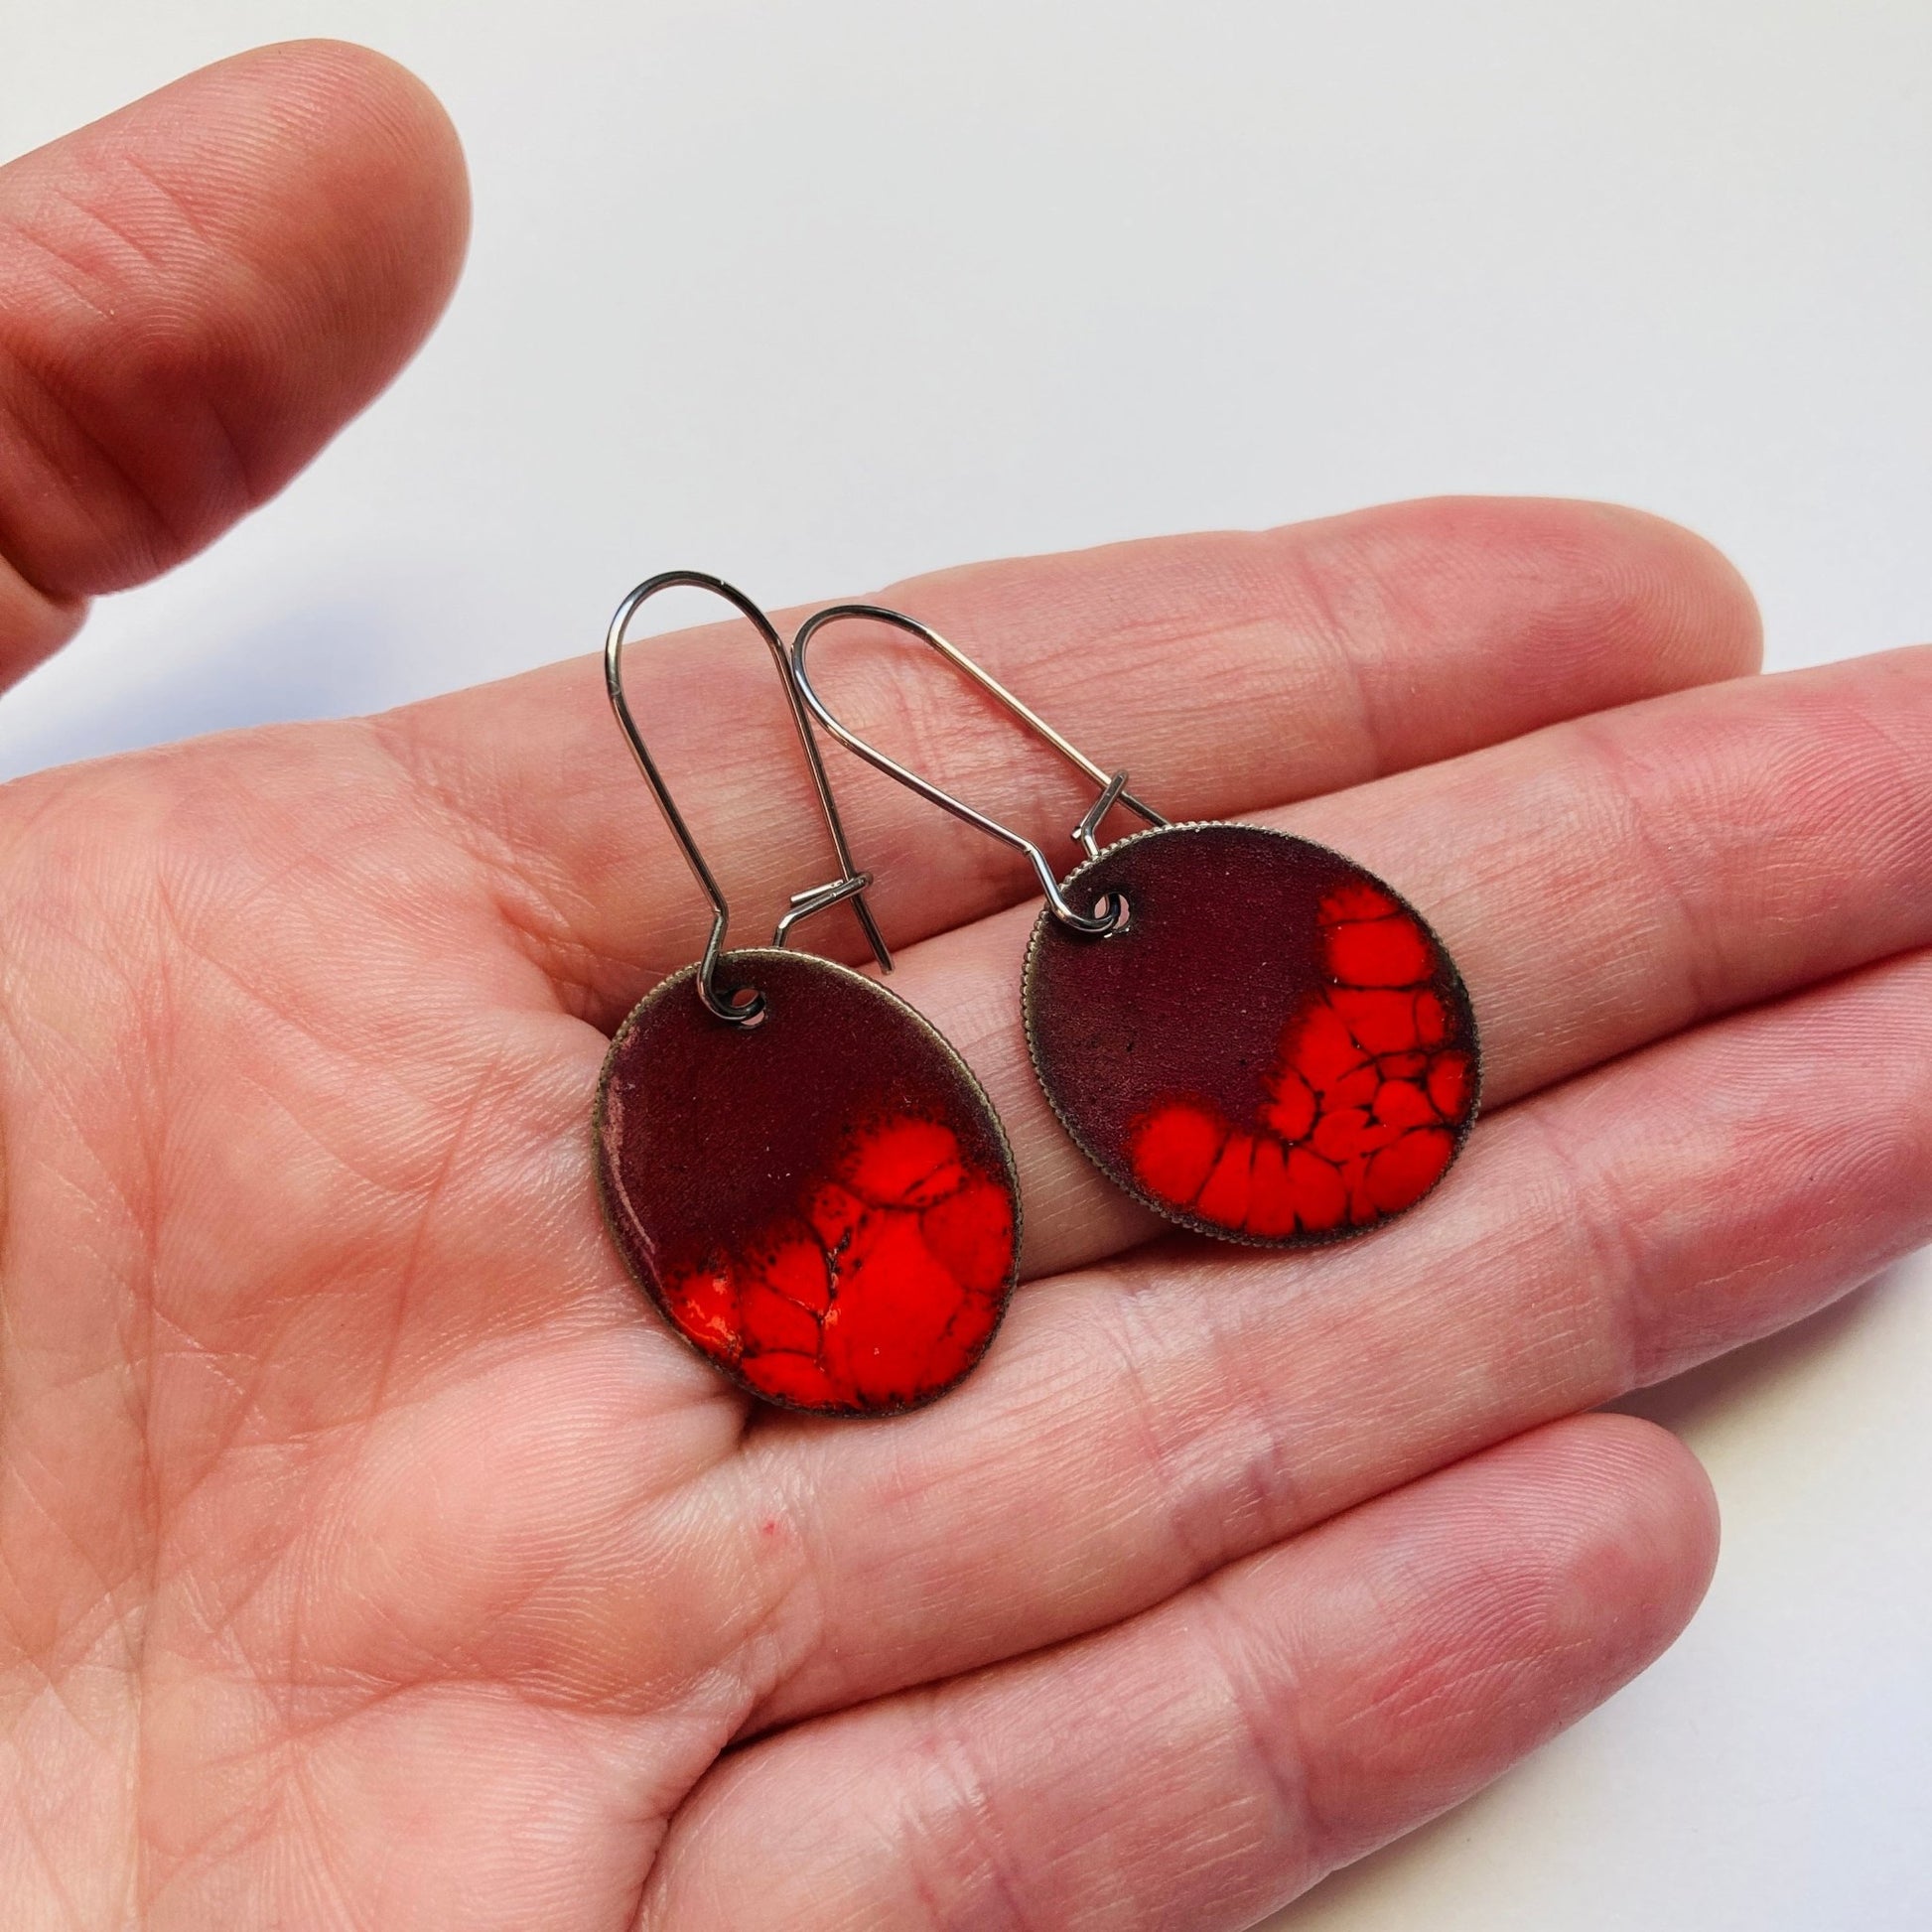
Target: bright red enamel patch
{"x":885,"y":1291}
{"x":1274,"y":1048}
{"x":1364,"y":1103}
{"x":823,"y":1204}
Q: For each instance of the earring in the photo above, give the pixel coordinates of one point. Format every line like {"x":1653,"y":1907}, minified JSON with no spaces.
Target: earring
{"x":1247,"y":1031}
{"x":798,"y":1171}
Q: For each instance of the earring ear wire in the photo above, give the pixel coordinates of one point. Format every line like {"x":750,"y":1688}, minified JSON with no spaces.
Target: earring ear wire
{"x":1108,"y":912}
{"x":850,"y":884}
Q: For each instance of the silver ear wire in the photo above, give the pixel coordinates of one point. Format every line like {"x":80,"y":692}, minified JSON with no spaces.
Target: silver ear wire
{"x":1108,"y":913}
{"x":851,"y":883}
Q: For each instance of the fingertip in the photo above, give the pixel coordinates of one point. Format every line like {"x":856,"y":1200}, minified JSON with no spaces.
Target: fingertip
{"x":1510,"y":1593}
{"x":201,"y":290}
{"x":1602,"y":598}
{"x":1712,"y":627}
{"x":1594,"y":1538}
{"x":1653,"y":1545}
{"x":384,"y":151}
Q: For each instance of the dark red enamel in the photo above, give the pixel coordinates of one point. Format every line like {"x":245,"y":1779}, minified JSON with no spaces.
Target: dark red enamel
{"x":1275,"y":1049}
{"x":823,"y":1204}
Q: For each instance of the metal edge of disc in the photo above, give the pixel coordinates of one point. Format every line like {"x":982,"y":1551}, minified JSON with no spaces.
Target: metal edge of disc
{"x":949,"y":1051}
{"x":1329,"y":1238}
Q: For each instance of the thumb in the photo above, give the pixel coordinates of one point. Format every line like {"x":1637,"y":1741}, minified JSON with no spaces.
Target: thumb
{"x":195,"y":294}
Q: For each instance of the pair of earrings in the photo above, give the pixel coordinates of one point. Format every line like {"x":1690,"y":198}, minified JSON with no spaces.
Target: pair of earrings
{"x":1247,"y":1031}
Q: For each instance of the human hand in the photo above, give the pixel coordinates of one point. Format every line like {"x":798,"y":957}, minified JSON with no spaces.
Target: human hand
{"x":370,"y":1553}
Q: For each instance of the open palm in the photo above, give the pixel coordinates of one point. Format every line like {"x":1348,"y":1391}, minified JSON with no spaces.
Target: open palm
{"x":370,"y":1553}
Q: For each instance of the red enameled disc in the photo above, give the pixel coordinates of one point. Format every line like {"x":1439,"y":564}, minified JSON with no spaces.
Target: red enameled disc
{"x":823,"y":1204}
{"x":1276,"y":1049}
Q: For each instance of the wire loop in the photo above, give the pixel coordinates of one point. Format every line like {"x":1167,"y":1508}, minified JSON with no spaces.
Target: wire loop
{"x":1109,"y":912}
{"x":851,"y":884}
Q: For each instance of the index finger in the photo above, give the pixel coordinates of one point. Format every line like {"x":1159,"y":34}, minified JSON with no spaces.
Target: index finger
{"x":1229,"y":672}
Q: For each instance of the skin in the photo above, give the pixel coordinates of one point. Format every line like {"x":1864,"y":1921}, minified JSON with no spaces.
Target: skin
{"x":371,"y":1557}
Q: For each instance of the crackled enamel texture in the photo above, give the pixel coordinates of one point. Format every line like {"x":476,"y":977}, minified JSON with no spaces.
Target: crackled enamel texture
{"x":823,"y":1204}
{"x":1275,"y":1049}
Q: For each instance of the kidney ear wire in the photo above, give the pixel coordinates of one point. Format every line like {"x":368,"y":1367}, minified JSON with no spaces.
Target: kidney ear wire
{"x":1109,"y":912}
{"x":745,"y":1007}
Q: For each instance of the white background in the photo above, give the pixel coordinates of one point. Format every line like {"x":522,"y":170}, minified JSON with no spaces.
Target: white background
{"x":820,"y":294}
